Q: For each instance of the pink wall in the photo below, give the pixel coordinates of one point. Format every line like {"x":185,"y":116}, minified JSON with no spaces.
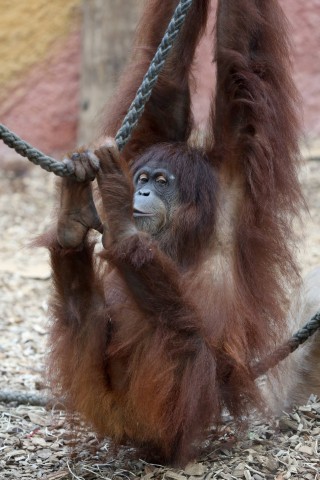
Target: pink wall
{"x":304,"y":18}
{"x":44,"y":108}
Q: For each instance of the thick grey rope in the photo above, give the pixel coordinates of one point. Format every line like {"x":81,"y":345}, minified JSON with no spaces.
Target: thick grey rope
{"x":144,"y":92}
{"x":23,"y":398}
{"x":280,"y":353}
{"x":62,"y":169}
{"x":135,"y":111}
{"x":305,"y":332}
{"x":261,"y":367}
{"x":129,"y":123}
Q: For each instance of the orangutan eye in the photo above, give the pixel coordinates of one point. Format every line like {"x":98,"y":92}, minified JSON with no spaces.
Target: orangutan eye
{"x":143,"y":178}
{"x":161,"y":179}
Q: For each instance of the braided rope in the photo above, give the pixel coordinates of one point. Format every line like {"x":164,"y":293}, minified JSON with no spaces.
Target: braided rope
{"x":62,"y":169}
{"x":144,"y":92}
{"x":258,"y":369}
{"x":65,"y":168}
{"x":281,"y":352}
{"x":23,"y":398}
{"x":305,"y":332}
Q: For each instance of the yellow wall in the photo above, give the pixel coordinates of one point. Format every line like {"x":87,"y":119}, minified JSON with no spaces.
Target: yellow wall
{"x":29,"y":31}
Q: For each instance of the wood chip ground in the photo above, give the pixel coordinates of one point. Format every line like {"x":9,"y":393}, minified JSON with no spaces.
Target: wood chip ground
{"x":36,"y":443}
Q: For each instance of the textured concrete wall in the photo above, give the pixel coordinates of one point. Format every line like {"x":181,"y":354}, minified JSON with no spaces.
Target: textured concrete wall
{"x":304,"y":18}
{"x":40,"y":50}
{"x":40,"y":71}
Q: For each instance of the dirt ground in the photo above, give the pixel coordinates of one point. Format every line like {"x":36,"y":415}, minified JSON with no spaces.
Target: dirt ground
{"x":36,"y":443}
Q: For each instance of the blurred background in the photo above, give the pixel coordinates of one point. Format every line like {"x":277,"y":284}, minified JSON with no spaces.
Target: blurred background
{"x":61,"y":60}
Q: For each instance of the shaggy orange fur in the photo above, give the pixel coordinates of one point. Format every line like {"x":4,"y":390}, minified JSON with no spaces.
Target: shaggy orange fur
{"x":154,"y":337}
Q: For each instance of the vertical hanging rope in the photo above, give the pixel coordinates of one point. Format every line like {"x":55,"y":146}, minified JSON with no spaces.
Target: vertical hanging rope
{"x":144,"y":92}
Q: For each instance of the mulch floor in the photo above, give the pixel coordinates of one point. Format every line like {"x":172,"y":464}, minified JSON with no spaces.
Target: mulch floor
{"x":37,"y":443}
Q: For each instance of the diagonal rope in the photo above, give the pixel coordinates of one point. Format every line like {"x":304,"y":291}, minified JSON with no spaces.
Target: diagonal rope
{"x":135,"y":111}
{"x":305,"y":332}
{"x":62,"y":169}
{"x":24,"y":398}
{"x":281,"y":352}
{"x":258,"y":369}
{"x":144,"y":92}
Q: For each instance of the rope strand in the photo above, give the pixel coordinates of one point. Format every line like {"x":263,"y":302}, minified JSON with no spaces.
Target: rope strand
{"x":62,"y":169}
{"x":65,"y":168}
{"x":281,"y":352}
{"x":144,"y":92}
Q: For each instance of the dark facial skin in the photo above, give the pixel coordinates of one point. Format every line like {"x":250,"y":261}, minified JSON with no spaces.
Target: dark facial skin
{"x":155,"y":197}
